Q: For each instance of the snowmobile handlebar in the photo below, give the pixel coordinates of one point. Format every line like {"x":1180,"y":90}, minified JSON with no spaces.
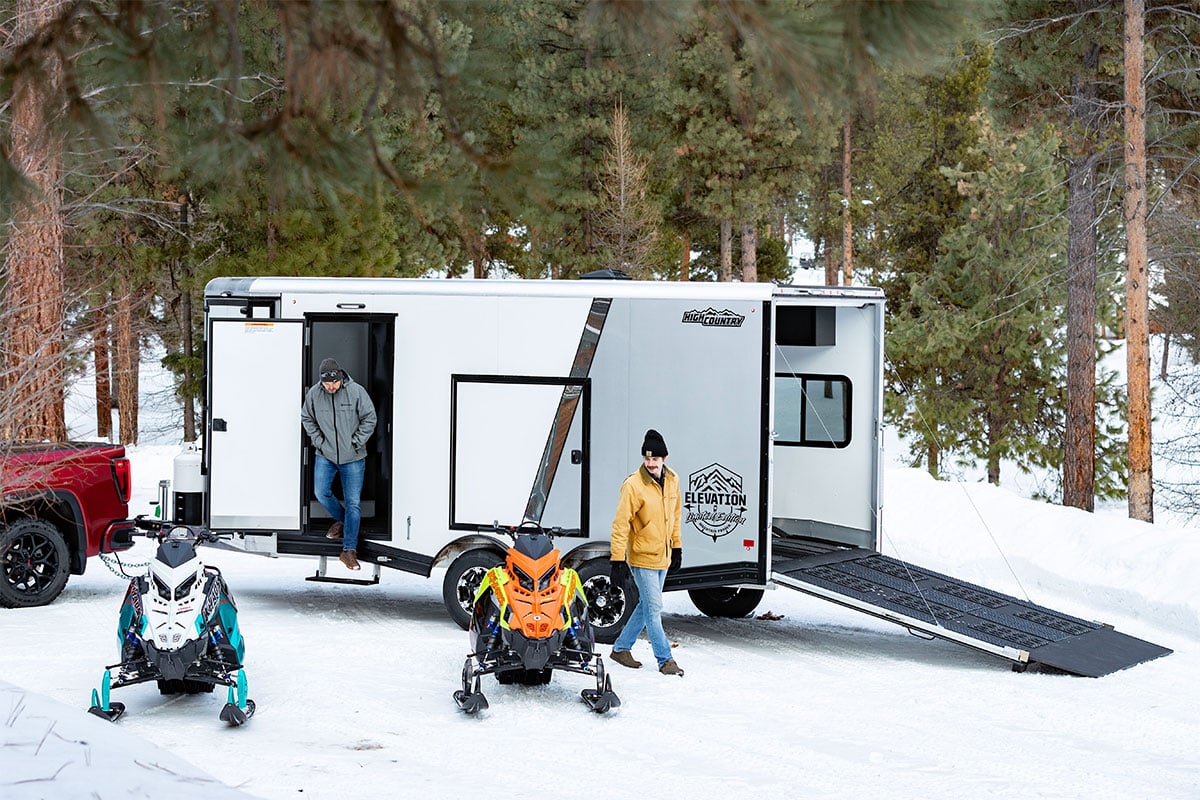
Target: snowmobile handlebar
{"x":529,"y":526}
{"x":161,"y":529}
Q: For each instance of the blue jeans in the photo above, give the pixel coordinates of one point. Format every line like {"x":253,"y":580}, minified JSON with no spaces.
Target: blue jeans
{"x":647,"y":615}
{"x":351,"y":476}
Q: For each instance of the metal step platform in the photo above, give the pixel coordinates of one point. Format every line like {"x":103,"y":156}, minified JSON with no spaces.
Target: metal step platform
{"x":1029,"y":635}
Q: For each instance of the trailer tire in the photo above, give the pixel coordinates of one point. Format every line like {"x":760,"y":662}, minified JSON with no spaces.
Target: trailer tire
{"x":726,"y":601}
{"x":34,"y":563}
{"x":609,"y":606}
{"x":463,"y":577}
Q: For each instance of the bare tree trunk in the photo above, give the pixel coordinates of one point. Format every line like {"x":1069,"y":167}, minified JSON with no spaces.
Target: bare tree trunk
{"x":847,"y":224}
{"x":932,"y":454}
{"x":1137,"y":289}
{"x":32,"y":312}
{"x":186,"y":328}
{"x":749,"y":254}
{"x":1162,"y":372}
{"x":1079,"y":446}
{"x":726,"y":251}
{"x":189,"y":372}
{"x":101,"y":366}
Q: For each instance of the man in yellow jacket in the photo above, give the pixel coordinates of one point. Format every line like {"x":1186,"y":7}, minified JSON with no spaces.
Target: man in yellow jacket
{"x":645,"y":545}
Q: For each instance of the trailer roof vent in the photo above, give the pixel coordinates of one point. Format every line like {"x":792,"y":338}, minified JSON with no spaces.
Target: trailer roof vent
{"x":605,"y":275}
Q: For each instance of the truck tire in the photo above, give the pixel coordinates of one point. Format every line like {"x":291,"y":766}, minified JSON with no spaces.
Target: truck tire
{"x":609,"y":606}
{"x":34,"y":563}
{"x":463,"y":577}
{"x":725,"y":601}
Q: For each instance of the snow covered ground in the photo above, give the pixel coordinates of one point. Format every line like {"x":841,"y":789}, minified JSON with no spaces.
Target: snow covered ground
{"x":353,"y":685}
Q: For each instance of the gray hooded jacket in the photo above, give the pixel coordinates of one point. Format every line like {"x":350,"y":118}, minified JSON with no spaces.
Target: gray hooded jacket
{"x":339,"y":424}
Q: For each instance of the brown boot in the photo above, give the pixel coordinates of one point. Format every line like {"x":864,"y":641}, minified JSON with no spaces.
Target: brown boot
{"x":669,"y":667}
{"x":335,"y":531}
{"x":625,"y":659}
{"x":350,"y":559}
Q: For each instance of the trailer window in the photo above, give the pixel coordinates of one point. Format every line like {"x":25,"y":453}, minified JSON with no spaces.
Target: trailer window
{"x":812,"y":410}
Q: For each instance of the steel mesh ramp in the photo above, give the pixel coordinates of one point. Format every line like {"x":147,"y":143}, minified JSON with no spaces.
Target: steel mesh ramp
{"x":960,"y":612}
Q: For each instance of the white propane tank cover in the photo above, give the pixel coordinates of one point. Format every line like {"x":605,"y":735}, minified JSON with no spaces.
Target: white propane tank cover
{"x":187,"y":472}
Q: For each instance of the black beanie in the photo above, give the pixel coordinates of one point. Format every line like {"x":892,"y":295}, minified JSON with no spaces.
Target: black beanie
{"x":329,"y":365}
{"x":653,"y":444}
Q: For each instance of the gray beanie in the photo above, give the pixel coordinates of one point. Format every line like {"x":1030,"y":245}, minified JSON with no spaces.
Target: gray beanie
{"x":330,"y":365}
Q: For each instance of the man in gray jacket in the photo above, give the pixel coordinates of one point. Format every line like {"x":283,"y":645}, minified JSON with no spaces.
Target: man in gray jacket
{"x":339,"y":417}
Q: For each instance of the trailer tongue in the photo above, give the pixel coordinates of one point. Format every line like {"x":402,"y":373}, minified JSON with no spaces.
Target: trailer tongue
{"x":921,"y":600}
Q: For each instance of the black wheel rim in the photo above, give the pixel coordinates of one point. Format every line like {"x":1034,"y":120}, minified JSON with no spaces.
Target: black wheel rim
{"x":606,"y":601}
{"x":31,"y":562}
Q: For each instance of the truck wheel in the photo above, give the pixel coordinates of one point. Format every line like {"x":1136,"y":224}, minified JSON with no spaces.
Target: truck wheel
{"x":463,"y":577}
{"x":725,"y":601}
{"x":34,"y":563}
{"x":609,"y":605}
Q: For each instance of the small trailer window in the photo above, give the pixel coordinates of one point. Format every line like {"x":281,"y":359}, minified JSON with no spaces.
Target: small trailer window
{"x":812,"y":410}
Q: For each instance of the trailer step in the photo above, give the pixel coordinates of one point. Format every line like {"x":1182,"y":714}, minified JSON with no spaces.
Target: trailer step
{"x":952,"y":609}
{"x":321,"y":575}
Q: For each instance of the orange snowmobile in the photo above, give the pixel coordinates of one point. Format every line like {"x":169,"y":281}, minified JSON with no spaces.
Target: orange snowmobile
{"x":531,"y":618}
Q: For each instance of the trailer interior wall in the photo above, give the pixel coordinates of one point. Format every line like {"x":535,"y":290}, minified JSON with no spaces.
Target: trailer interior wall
{"x":829,"y":488}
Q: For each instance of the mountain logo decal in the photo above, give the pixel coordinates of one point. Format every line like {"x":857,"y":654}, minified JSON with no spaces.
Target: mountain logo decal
{"x":715,"y":501}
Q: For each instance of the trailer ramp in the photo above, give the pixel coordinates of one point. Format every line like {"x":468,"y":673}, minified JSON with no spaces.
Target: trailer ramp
{"x":921,"y":600}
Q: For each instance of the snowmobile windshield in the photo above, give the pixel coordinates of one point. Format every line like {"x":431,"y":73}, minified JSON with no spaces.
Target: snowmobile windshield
{"x":535,"y":546}
{"x":175,"y":553}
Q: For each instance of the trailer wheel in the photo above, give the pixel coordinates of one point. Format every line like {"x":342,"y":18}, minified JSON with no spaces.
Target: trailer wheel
{"x":609,"y":605}
{"x":463,"y":577}
{"x":724,"y":601}
{"x":34,"y":563}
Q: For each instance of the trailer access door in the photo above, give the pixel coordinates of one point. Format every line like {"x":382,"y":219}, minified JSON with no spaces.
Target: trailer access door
{"x":253,"y":431}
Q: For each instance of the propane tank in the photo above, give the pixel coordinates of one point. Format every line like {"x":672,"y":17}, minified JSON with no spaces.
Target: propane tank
{"x":189,"y":489}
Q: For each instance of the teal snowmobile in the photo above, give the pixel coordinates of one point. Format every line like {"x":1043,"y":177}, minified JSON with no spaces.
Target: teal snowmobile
{"x":178,"y":627}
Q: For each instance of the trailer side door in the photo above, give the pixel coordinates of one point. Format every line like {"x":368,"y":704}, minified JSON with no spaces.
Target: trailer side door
{"x":253,"y":442}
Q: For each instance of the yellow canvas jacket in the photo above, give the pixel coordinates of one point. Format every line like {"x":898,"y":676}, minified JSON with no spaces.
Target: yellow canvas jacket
{"x":646,"y":525}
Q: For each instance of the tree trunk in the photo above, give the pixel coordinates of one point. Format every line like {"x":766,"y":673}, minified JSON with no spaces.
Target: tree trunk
{"x":32,"y":311}
{"x":847,"y":224}
{"x":100,"y":364}
{"x":686,"y":259}
{"x":1137,"y":283}
{"x":1162,"y":372}
{"x":831,"y":271}
{"x":1079,"y":446}
{"x":726,"y":251}
{"x":186,"y":328}
{"x":127,"y":352}
{"x":189,"y":372}
{"x":932,"y":453}
{"x":749,"y":254}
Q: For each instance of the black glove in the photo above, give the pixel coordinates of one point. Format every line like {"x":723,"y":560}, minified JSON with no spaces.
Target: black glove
{"x":676,"y":558}
{"x":619,"y":573}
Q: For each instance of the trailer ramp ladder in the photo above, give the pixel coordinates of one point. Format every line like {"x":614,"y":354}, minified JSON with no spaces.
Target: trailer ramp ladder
{"x":921,"y":600}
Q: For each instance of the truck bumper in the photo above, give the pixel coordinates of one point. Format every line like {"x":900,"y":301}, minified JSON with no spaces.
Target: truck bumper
{"x":117,"y":536}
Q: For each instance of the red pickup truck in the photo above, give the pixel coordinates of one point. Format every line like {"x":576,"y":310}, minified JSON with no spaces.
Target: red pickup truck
{"x":59,"y":505}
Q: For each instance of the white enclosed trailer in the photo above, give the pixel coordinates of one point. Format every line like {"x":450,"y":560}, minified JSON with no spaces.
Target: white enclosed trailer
{"x":508,"y":401}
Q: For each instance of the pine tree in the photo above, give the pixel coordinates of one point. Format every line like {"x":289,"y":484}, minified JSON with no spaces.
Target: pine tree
{"x":626,"y":230}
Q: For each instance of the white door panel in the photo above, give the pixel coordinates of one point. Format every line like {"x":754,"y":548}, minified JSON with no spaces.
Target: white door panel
{"x":255,"y":373}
